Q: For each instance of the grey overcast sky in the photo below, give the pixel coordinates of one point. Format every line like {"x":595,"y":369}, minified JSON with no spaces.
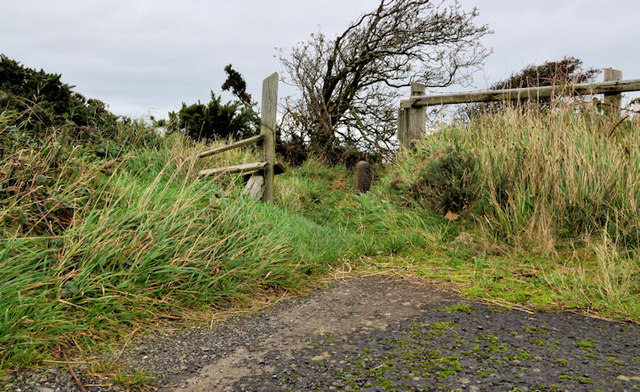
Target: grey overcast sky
{"x":146,"y":57}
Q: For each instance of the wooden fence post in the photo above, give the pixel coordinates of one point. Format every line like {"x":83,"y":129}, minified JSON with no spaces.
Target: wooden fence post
{"x":612,"y":101}
{"x":268,"y":129}
{"x":417,"y":117}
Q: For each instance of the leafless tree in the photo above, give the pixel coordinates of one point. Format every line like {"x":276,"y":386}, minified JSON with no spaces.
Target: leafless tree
{"x":349,"y":85}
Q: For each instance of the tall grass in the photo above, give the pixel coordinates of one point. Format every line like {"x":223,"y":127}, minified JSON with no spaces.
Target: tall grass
{"x":107,"y":244}
{"x":543,"y":179}
{"x":562,"y":185}
{"x":374,"y":223}
{"x":101,"y":236}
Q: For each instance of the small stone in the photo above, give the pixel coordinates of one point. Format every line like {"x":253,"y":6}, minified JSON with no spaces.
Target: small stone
{"x":623,"y":378}
{"x":321,"y":357}
{"x":41,"y":179}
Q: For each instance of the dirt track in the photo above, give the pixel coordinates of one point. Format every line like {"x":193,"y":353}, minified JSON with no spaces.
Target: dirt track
{"x":388,"y":334}
{"x":384,"y":333}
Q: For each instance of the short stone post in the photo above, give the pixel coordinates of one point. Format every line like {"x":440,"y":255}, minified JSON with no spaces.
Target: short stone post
{"x":363,"y":176}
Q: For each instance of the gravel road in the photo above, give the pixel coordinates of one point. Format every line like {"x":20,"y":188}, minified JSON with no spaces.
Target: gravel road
{"x":376,"y":334}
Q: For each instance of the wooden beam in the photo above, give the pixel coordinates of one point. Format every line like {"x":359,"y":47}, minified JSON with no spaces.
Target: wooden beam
{"x":268,"y":130}
{"x":238,"y":144}
{"x":246,"y":168}
{"x":612,"y":87}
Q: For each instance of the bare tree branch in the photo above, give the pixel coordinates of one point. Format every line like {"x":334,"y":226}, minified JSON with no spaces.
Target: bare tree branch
{"x":348,"y":85}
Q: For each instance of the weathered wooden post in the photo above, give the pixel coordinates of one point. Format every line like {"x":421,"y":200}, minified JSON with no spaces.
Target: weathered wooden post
{"x":416,"y":118}
{"x":268,"y":130}
{"x":261,"y":183}
{"x":612,"y":101}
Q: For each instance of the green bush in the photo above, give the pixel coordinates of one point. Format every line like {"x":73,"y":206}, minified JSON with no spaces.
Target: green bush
{"x":43,"y":100}
{"x":217,"y":120}
{"x":449,"y":182}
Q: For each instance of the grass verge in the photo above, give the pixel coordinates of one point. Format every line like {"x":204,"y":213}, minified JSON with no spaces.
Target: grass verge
{"x":101,"y":238}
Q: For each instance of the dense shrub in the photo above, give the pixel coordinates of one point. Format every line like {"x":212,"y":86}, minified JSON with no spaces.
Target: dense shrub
{"x":563,"y":72}
{"x":217,"y":120}
{"x":449,"y":182}
{"x":43,"y":100}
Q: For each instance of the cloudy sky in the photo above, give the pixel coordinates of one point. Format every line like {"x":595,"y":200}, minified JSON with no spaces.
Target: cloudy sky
{"x":146,"y":57}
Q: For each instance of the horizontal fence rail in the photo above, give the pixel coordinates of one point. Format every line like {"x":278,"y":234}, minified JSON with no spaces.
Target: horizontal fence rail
{"x":245,"y":168}
{"x":515,"y":94}
{"x":412,"y":112}
{"x":238,"y":144}
{"x":264,"y":189}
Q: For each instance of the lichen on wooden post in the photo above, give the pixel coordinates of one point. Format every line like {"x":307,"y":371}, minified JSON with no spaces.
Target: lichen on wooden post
{"x":403,"y":117}
{"x":417,"y":118}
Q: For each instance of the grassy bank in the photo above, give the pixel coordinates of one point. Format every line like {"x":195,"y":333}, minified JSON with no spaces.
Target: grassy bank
{"x":102,"y":236}
{"x":548,"y":208}
{"x":103,"y":245}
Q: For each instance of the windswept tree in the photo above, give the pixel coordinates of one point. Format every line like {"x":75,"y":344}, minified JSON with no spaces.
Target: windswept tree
{"x":349,"y":85}
{"x":561,"y":73}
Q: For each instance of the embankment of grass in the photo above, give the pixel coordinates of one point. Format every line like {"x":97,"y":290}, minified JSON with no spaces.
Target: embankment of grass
{"x":101,"y":237}
{"x":95,"y":245}
{"x":547,"y":204}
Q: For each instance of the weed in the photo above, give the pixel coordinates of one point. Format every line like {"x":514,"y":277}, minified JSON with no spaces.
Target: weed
{"x":585,"y":345}
{"x":135,"y":380}
{"x":457,"y":308}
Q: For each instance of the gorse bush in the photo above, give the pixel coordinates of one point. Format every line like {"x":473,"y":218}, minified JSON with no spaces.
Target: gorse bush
{"x":215,"y":120}
{"x":43,"y":100}
{"x":449,"y":182}
{"x":562,"y":74}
